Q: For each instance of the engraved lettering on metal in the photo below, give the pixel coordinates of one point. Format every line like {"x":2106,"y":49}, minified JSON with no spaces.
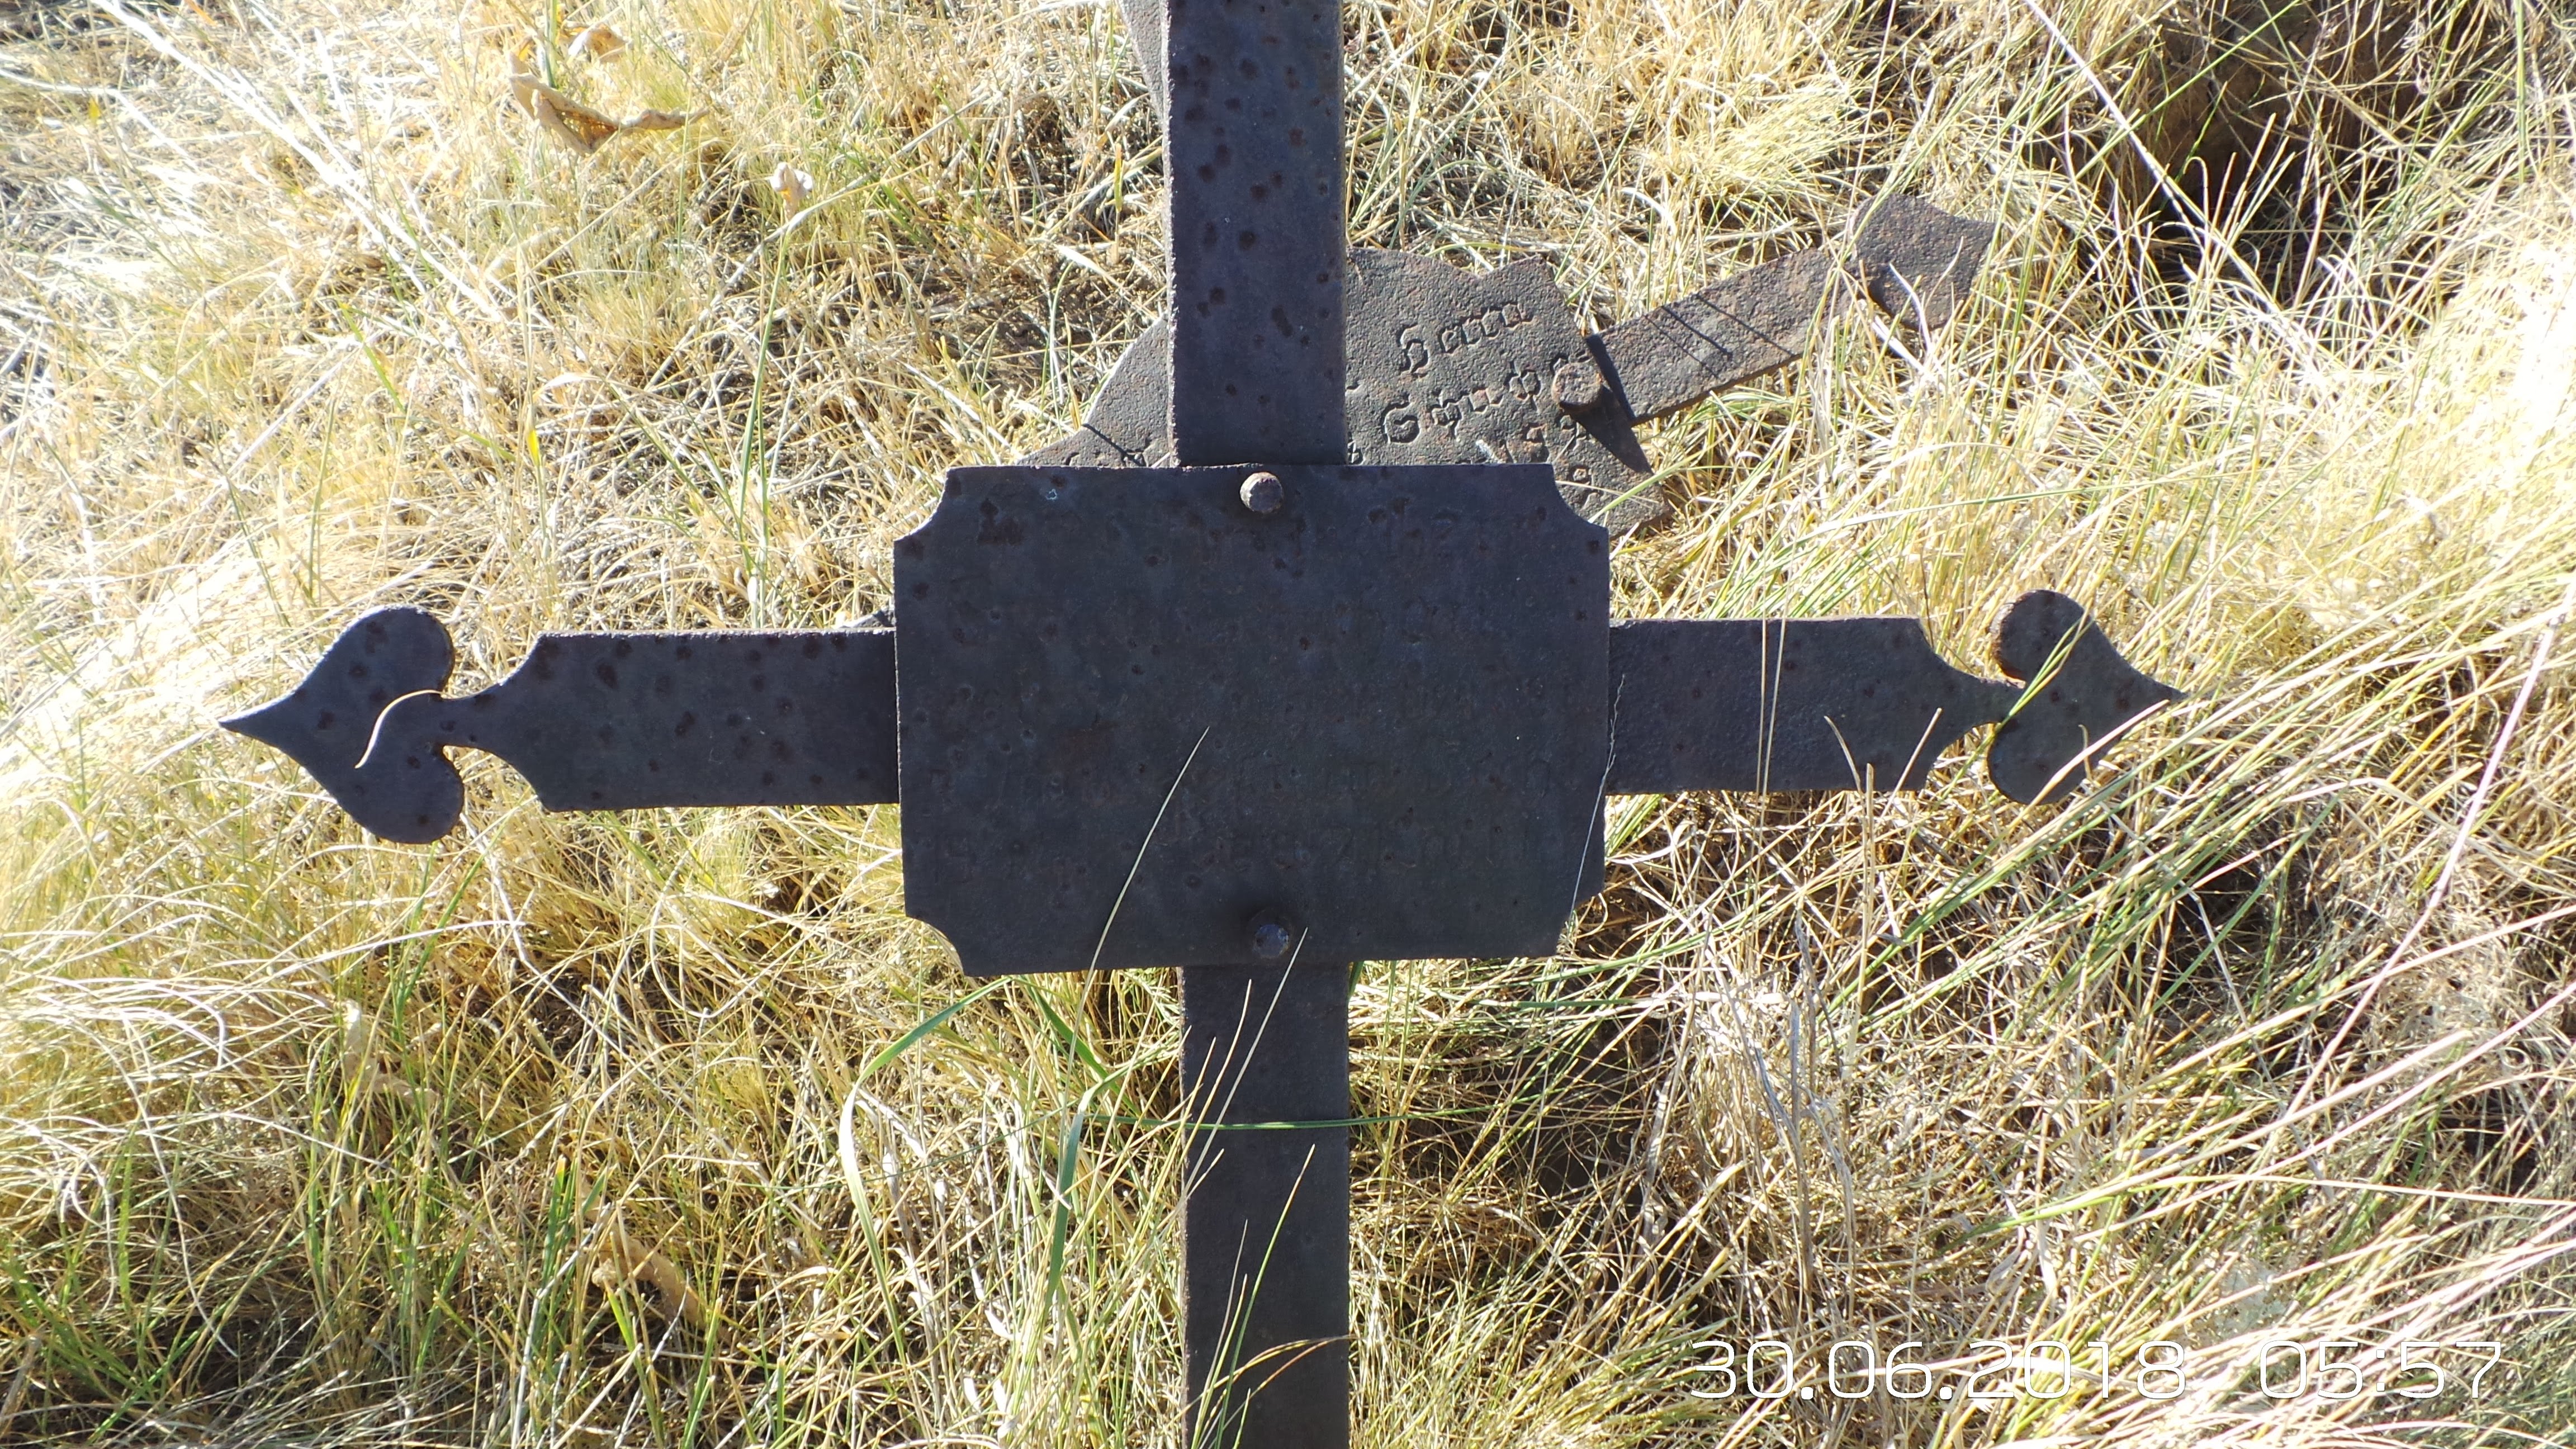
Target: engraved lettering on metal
{"x":1451,"y":366}
{"x":593,"y":721}
{"x":1380,"y":709}
{"x":1441,"y":367}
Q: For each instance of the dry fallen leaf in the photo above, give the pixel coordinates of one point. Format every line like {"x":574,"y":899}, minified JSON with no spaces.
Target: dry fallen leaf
{"x":598,"y":42}
{"x":792,"y":186}
{"x":623,"y":1261}
{"x":564,"y":118}
{"x":575,"y":124}
{"x":367,"y":1069}
{"x":619,"y":1261}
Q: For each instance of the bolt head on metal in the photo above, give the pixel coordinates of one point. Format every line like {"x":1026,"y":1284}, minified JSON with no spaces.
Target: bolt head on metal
{"x":1271,"y":937}
{"x":1262,"y":493}
{"x":1578,"y":386}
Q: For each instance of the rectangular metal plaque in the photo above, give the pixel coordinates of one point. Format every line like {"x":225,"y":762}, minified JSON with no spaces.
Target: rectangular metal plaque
{"x":1136,"y":716}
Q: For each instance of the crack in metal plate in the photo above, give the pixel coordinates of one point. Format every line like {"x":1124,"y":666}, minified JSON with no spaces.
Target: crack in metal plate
{"x":1137,"y":716}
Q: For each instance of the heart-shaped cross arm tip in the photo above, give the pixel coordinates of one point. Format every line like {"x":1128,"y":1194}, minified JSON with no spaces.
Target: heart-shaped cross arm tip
{"x":594,"y":721}
{"x":1862,"y":703}
{"x":2077,"y":695}
{"x":344,"y":725}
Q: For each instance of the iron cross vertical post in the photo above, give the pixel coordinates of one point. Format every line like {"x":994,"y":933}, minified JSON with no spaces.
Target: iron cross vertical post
{"x":1299,"y":700}
{"x":1253,"y":148}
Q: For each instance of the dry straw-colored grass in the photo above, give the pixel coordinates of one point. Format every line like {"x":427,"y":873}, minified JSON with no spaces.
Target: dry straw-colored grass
{"x":577,"y":1129}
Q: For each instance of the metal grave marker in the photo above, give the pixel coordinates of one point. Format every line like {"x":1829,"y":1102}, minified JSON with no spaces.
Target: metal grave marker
{"x":1451,"y":366}
{"x":1335,"y":680}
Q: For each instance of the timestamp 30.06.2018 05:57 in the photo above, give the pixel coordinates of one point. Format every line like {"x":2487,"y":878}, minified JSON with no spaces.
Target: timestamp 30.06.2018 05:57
{"x":1993,"y":1371}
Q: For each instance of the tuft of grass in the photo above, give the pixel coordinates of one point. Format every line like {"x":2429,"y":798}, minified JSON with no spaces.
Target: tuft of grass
{"x":670,"y":1128}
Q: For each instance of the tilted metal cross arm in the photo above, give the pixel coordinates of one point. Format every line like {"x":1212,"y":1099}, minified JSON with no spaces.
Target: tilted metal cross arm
{"x":1452,"y":366}
{"x":1287,"y":702}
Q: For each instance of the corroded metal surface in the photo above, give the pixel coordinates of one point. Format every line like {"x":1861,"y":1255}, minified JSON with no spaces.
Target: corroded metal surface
{"x":1254,"y":147}
{"x":1451,"y":366}
{"x":1918,"y":261}
{"x":1129,"y":424}
{"x":1145,"y":37}
{"x":1282,"y":714}
{"x":1194,"y":597}
{"x":593,"y":721}
{"x":326,"y":723}
{"x":632,"y":721}
{"x":1446,"y":366}
{"x":1785,"y":704}
{"x":1849,"y":704}
{"x":1720,"y":335}
{"x":2086,"y":696}
{"x":1266,"y":1226}
{"x":1136,"y":715}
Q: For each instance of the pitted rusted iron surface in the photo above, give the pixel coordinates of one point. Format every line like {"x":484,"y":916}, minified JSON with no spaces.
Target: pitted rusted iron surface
{"x":1136,"y":715}
{"x":1446,"y":365}
{"x":609,"y":721}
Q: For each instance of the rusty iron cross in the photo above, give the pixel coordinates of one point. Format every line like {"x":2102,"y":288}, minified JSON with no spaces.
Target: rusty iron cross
{"x":1298,"y":653}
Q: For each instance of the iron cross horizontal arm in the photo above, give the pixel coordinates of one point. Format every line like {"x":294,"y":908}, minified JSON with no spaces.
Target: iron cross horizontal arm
{"x":1255,"y":714}
{"x":635,"y":721}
